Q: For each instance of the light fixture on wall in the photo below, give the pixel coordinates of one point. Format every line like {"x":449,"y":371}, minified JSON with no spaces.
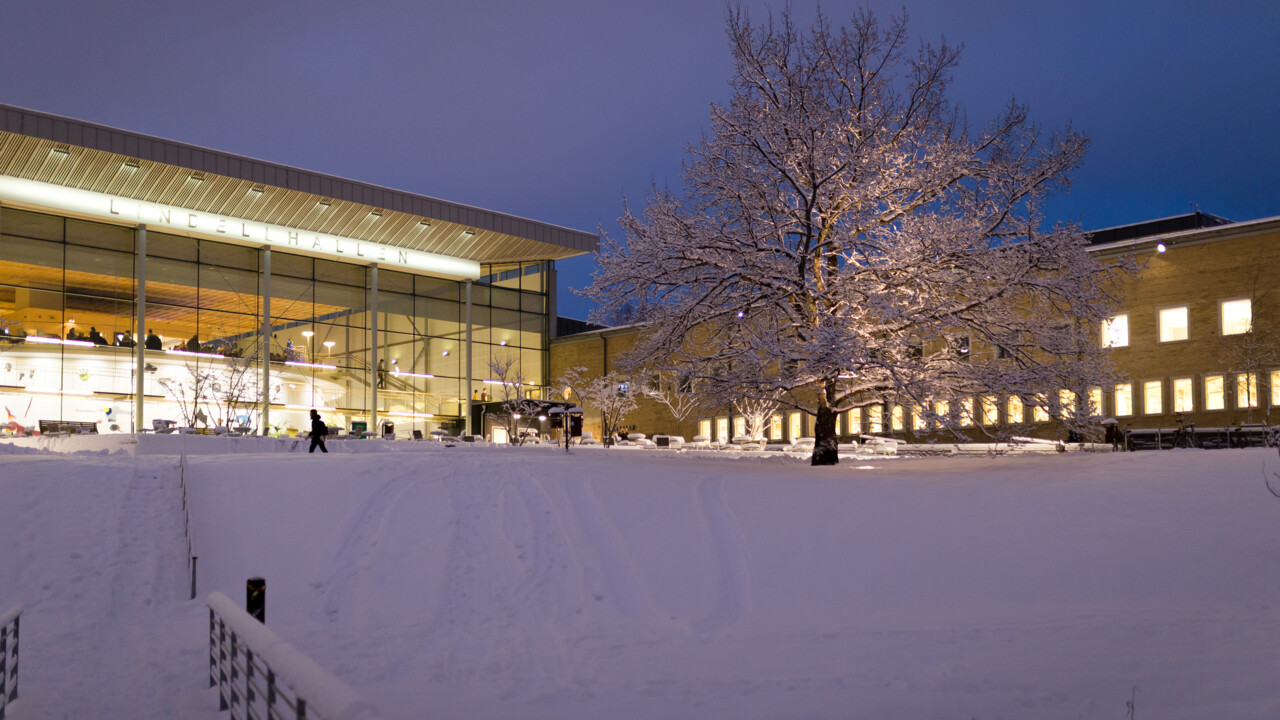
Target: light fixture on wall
{"x":445,"y":353}
{"x":307,"y":334}
{"x":328,"y":347}
{"x":503,"y":343}
{"x":1160,"y":247}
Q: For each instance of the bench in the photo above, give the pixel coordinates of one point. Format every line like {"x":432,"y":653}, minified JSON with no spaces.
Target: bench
{"x":68,"y":427}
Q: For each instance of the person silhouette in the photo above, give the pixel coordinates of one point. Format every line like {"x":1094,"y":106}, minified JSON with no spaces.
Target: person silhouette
{"x":318,"y":431}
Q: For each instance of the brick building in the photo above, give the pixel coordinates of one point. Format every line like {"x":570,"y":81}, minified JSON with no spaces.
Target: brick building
{"x":1195,"y":337}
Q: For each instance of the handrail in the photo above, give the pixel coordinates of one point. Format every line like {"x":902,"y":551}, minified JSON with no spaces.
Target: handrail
{"x":261,"y":677}
{"x":9,"y":657}
{"x":186,"y":520}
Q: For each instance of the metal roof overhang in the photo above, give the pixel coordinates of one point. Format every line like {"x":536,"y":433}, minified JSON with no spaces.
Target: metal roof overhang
{"x":83,"y":156}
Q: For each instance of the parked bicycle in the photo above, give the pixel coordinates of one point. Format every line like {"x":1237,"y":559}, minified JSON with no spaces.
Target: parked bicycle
{"x":1185,"y":435}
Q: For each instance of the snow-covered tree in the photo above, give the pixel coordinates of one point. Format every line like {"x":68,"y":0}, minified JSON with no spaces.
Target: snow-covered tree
{"x":845,"y":236}
{"x":609,"y":394}
{"x":517,"y":411}
{"x":674,"y":390}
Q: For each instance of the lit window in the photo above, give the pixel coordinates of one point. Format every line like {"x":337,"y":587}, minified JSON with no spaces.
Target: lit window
{"x":775,"y":427}
{"x":794,"y":425}
{"x":966,"y":412}
{"x":1014,"y":410}
{"x":942,"y":409}
{"x":1039,"y":411}
{"x":1153,"y":397}
{"x":855,"y":421}
{"x":1214,"y":395}
{"x":895,"y":417}
{"x":1173,"y":324}
{"x":704,"y":428}
{"x":918,"y":420}
{"x":875,"y":419}
{"x":1095,"y":402}
{"x":722,"y":429}
{"x":1237,"y":316}
{"x":1124,"y":399}
{"x":1115,"y":331}
{"x":1247,"y":390}
{"x":740,"y":426}
{"x":1182,"y":400}
{"x":1275,"y":388}
{"x":990,"y":410}
{"x":1067,"y":401}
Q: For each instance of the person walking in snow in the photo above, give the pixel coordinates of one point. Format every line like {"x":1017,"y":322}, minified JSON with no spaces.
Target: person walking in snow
{"x":318,"y":431}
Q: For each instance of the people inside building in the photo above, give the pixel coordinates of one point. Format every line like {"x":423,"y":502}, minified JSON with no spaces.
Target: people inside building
{"x":193,"y":345}
{"x":95,"y":337}
{"x":125,"y":340}
{"x":382,"y":373}
{"x":73,"y":335}
{"x":153,"y":341}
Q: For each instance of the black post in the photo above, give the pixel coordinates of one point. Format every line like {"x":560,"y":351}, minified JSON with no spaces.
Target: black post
{"x":193,"y":576}
{"x":255,"y":602}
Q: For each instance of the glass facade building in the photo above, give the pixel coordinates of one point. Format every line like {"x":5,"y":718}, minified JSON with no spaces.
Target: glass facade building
{"x":148,"y":316}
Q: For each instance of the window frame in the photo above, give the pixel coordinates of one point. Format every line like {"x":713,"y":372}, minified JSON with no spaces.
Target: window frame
{"x":1146,"y":411}
{"x":1185,"y":307}
{"x":1106,"y":326}
{"x":1173,"y":393}
{"x":1204,"y":385}
{"x":1222,"y":318}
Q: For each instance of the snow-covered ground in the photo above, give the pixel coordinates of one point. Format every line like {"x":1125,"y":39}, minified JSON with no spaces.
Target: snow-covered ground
{"x":477,"y":582}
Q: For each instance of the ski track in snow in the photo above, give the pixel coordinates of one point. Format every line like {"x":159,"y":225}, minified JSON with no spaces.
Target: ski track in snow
{"x":498,"y":583}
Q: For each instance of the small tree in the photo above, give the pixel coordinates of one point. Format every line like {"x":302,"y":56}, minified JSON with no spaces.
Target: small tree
{"x":237,"y":389}
{"x":756,"y":410}
{"x":514,"y":405}
{"x":674,"y":390}
{"x":1256,"y":351}
{"x":190,"y":392}
{"x":610,"y":394}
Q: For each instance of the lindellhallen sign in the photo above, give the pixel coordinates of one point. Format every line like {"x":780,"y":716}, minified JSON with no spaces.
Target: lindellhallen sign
{"x":186,"y":221}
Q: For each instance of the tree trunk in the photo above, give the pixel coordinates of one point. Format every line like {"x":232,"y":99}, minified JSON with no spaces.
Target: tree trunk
{"x":826,"y":449}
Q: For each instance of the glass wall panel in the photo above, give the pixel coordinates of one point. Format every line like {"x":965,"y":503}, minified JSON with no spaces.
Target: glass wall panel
{"x":99,"y":320}
{"x":395,"y":312}
{"x":228,"y":290}
{"x":392,"y":281}
{"x":480,"y":324}
{"x":291,"y":298}
{"x":444,"y":319}
{"x":109,"y":237}
{"x":92,"y":271}
{"x":437,"y":288}
{"x":505,"y":299}
{"x":173,"y":282}
{"x":226,"y":255}
{"x":299,"y":266}
{"x":31,"y":225}
{"x":173,"y":247}
{"x":341,"y":273}
{"x":30,"y":263}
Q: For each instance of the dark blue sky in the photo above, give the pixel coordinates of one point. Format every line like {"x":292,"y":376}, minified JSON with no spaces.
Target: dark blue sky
{"x":553,"y":110}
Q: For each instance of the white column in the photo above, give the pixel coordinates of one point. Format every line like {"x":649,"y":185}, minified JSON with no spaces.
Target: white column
{"x":266,"y":340}
{"x":466,"y":393}
{"x":140,"y":327}
{"x":373,"y":347}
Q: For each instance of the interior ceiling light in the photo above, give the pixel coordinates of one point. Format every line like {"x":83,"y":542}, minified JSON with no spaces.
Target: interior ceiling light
{"x":424,"y":223}
{"x":131,"y":165}
{"x":197,"y":177}
{"x":322,"y":205}
{"x":256,"y":190}
{"x":468,"y":232}
{"x":59,"y":153}
{"x":375,"y":214}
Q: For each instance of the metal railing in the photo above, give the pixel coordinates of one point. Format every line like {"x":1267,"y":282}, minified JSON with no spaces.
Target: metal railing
{"x":9,"y":657}
{"x":186,"y":521}
{"x":248,"y":664}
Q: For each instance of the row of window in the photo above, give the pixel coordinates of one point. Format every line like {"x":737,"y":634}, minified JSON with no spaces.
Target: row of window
{"x":990,"y":411}
{"x":1235,"y":317}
